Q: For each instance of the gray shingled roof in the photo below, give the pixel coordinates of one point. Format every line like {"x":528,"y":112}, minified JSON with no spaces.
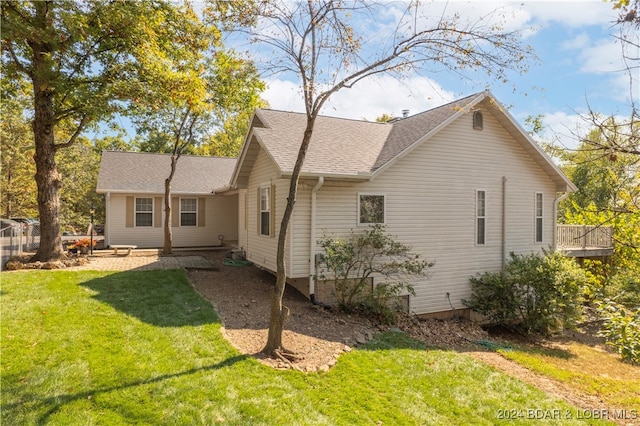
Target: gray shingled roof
{"x":351,"y":148}
{"x":338,"y":146}
{"x":345,"y":147}
{"x":408,"y":131}
{"x":146,"y":172}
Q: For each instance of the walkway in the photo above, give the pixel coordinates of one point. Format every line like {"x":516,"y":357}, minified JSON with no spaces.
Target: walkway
{"x":144,"y":260}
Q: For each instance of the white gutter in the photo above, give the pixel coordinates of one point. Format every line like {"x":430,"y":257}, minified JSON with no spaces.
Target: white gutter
{"x":555,"y":217}
{"x":312,"y":242}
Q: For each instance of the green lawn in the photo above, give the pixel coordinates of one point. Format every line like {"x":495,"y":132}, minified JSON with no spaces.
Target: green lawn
{"x":587,"y":369}
{"x":143,"y":348}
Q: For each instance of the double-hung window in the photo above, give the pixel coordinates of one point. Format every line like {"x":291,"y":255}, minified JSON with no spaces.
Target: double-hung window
{"x":371,"y":209}
{"x":539,"y":217}
{"x":144,"y":212}
{"x":265,"y":210}
{"x":188,"y":211}
{"x":481,"y":217}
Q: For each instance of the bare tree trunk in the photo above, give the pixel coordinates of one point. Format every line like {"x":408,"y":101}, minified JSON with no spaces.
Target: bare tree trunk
{"x":279,"y":313}
{"x":168,"y":236}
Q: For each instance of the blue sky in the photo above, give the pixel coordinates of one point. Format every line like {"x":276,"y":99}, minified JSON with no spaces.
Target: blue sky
{"x":578,"y":63}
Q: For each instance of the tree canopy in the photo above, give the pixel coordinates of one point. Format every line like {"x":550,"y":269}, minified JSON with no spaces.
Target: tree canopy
{"x":87,"y":60}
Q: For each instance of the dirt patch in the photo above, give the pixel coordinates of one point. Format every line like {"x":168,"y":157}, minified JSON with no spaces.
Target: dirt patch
{"x":241,"y":297}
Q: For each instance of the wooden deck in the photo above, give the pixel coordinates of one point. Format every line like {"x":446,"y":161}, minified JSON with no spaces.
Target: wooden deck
{"x":585,"y":240}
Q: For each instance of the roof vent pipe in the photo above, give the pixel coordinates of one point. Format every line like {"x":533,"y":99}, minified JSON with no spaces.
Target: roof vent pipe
{"x":405,"y":113}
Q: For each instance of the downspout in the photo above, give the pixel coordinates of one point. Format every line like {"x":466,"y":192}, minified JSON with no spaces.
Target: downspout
{"x":504,"y":222}
{"x":555,"y":216}
{"x":312,"y":242}
{"x":107,"y":221}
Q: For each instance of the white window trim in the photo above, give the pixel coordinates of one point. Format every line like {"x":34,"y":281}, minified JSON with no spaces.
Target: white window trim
{"x":268,"y":209}
{"x":476,"y":217}
{"x":384,"y":212}
{"x":536,"y":217}
{"x":180,"y":213}
{"x":135,"y":212}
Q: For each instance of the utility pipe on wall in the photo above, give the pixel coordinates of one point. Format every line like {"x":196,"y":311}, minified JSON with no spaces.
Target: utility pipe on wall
{"x":504,"y":222}
{"x":312,"y":242}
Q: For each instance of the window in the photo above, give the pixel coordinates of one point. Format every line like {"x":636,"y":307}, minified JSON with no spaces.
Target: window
{"x":144,"y":211}
{"x":481,"y":217}
{"x":188,"y":211}
{"x":539,"y":217}
{"x":477,"y":120}
{"x":370,"y":209}
{"x":265,"y":211}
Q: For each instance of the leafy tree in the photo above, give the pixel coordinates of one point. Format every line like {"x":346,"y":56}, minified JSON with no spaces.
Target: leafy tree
{"x":629,"y":11}
{"x":608,"y":195}
{"x":85,"y":60}
{"x":16,"y":145}
{"x":77,"y":165}
{"x":621,"y":134}
{"x":222,"y":89}
{"x":316,"y":41}
{"x":384,"y":118}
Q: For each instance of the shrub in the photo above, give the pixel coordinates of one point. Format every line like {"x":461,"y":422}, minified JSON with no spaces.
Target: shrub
{"x":352,"y":262}
{"x":625,"y":287}
{"x":539,"y":292}
{"x":621,"y":329}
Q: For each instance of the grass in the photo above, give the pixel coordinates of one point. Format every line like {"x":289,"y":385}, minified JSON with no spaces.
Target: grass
{"x":96,"y":348}
{"x":588,"y":369}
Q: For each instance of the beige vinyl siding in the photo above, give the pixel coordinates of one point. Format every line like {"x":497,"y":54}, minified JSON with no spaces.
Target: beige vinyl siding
{"x":430,"y":205}
{"x":242,"y":218}
{"x":221,"y":217}
{"x":300,"y":231}
{"x":261,"y":249}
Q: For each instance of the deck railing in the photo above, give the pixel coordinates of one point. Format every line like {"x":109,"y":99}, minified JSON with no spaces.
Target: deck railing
{"x":584,"y":237}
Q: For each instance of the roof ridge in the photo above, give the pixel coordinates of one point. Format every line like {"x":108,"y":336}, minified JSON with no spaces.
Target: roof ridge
{"x":455,"y":101}
{"x":167,"y":153}
{"x":331,"y":117}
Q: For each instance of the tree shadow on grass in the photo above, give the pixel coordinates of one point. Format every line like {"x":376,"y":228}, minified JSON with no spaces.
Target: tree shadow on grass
{"x":59,"y":401}
{"x":163,"y":298}
{"x":393,"y":340}
{"x":552,"y":352}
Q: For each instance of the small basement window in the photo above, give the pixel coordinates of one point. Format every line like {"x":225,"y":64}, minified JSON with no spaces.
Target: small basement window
{"x":477,"y":120}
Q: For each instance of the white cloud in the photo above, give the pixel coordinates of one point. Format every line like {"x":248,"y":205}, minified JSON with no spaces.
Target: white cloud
{"x":563,"y":129}
{"x":601,"y":57}
{"x":368,"y":100}
{"x":571,"y":13}
{"x":521,"y":14}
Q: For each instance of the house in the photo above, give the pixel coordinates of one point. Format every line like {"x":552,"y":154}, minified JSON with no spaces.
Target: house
{"x":462,"y":184}
{"x":133,"y":184}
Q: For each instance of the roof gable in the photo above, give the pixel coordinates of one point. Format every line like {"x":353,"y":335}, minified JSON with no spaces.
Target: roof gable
{"x":343,"y":148}
{"x":146,"y":172}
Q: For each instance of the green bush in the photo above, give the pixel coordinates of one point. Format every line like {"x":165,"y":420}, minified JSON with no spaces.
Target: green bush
{"x":621,"y":329}
{"x":625,"y":288}
{"x":539,"y":292}
{"x":352,"y":262}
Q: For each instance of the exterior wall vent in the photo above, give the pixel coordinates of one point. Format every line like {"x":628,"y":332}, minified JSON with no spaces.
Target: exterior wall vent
{"x":477,"y":120}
